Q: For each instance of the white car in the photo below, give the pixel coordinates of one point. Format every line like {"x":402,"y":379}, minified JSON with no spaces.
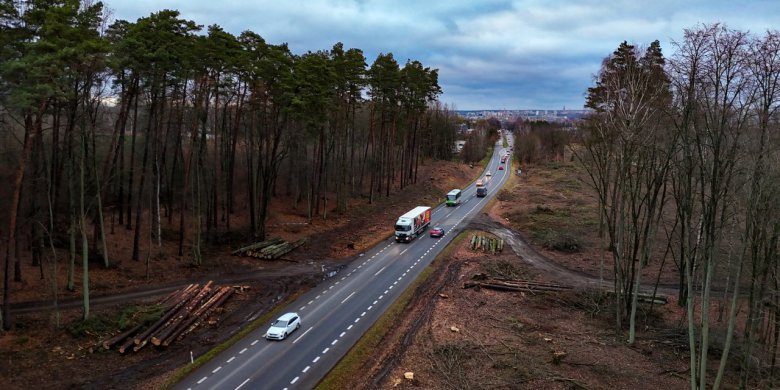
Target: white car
{"x":488,"y":173}
{"x":283,"y":326}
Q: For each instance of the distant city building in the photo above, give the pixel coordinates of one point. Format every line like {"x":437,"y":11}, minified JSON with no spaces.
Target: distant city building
{"x":532,"y":115}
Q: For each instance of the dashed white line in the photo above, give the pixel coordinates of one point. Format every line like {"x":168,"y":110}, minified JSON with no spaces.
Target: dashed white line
{"x":324,"y":351}
{"x":306,"y":369}
{"x":362,"y":314}
{"x":242,"y":351}
{"x":231,"y":359}
{"x":349,"y":296}
{"x":357,"y":319}
{"x":370,"y":307}
{"x":376,"y":301}
{"x":310,"y":302}
{"x":302,"y":307}
{"x":242,"y":383}
{"x":334,"y":342}
{"x":216,"y":369}
{"x":201,"y":380}
{"x":386,"y":291}
{"x":255,"y":342}
{"x":377,"y":272}
{"x":350,"y":326}
{"x":391,"y":287}
{"x":292,"y":382}
{"x":396,"y":282}
{"x":316,"y":359}
{"x":381,"y":296}
{"x":330,"y":287}
{"x":342,"y":334}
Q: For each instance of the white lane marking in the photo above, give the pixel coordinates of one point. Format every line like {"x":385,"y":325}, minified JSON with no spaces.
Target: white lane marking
{"x":386,"y":291}
{"x":349,"y":296}
{"x":201,"y":380}
{"x":357,"y":319}
{"x":242,"y":351}
{"x":334,"y":342}
{"x":302,"y":307}
{"x":391,"y":287}
{"x":400,"y":277}
{"x":310,"y":302}
{"x":316,"y":359}
{"x":302,"y":334}
{"x":377,"y":272}
{"x":292,"y":382}
{"x":404,"y":251}
{"x":343,"y":278}
{"x":318,"y":296}
{"x":231,"y":359}
{"x":376,"y":301}
{"x":350,"y":326}
{"x":342,"y":334}
{"x":381,"y":296}
{"x":396,"y":282}
{"x":324,"y":351}
{"x":216,"y":369}
{"x":370,"y":307}
{"x":337,"y":282}
{"x":255,"y":342}
{"x":330,"y":287}
{"x":242,"y":383}
{"x":362,"y":314}
{"x":306,"y":369}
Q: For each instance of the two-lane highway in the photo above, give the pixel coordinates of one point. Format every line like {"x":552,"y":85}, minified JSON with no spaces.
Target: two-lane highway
{"x":337,"y":313}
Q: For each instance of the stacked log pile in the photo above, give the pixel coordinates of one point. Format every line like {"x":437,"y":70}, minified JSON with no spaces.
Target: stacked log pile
{"x":185,"y":310}
{"x":479,"y":281}
{"x":269,"y":249}
{"x":486,"y":244}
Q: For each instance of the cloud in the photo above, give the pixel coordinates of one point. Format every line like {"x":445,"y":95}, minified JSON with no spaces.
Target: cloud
{"x":491,"y":53}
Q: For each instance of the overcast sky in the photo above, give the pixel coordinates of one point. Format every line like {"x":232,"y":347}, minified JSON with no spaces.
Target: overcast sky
{"x":491,"y":54}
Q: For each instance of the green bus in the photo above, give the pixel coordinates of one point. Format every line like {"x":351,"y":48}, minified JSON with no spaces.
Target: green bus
{"x":453,"y":197}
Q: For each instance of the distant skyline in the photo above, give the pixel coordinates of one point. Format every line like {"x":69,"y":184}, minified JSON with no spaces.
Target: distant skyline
{"x":491,"y":54}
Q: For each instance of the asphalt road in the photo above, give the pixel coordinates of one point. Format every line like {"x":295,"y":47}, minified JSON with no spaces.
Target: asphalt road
{"x":336,"y":313}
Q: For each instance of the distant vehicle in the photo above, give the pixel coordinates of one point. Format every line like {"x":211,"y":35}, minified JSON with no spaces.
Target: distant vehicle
{"x":500,"y":167}
{"x":283,"y":326}
{"x":453,"y":197}
{"x":437,"y":231}
{"x":488,"y":174}
{"x":412,"y":224}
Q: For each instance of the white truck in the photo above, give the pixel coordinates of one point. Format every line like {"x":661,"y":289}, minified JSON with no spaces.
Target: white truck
{"x":412,"y":224}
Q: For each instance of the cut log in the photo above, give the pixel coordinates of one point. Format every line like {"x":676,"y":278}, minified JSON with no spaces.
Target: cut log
{"x":127,"y":344}
{"x":257,"y":246}
{"x":162,"y":332}
{"x":164,"y":319}
{"x":206,"y":314}
{"x":175,"y":330}
{"x":107,"y":344}
{"x":193,"y":321}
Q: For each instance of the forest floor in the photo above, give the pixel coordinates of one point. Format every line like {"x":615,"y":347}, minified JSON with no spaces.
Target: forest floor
{"x":550,"y":340}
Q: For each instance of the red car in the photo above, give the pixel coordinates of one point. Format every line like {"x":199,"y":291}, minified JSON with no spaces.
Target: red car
{"x":500,"y":167}
{"x":437,"y":231}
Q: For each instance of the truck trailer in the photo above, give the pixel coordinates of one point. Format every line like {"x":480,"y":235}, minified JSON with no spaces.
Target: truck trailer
{"x":481,"y":188}
{"x":412,"y":224}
